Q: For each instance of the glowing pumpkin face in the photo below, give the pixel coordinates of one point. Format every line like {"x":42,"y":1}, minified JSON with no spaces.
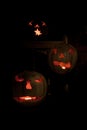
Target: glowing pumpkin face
{"x":29,"y":87}
{"x":38,"y":28}
{"x":63,"y":58}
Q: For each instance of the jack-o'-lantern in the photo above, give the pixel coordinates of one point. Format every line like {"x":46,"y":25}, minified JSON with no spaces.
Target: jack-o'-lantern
{"x":62,"y":58}
{"x":29,"y":87}
{"x":38,"y":28}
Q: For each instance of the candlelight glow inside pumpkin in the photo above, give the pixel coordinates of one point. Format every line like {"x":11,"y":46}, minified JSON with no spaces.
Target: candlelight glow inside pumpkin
{"x":29,"y":87}
{"x":39,"y":28}
{"x":62,"y":58}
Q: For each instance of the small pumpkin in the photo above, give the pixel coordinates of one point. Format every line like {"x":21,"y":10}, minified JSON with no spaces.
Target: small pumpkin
{"x":29,"y":87}
{"x":38,"y":28}
{"x":62,"y":58}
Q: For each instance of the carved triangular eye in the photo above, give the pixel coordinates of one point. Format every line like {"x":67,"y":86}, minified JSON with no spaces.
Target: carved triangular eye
{"x":43,"y":23}
{"x":39,"y":80}
{"x":54,"y":51}
{"x":30,"y":23}
{"x":18,"y":79}
{"x":71,"y":51}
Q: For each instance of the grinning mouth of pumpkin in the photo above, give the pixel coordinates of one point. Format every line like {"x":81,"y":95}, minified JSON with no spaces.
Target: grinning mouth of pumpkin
{"x":62,"y":64}
{"x":27,"y":98}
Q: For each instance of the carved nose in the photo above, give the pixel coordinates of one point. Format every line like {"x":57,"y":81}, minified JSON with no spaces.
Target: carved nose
{"x":28,"y":85}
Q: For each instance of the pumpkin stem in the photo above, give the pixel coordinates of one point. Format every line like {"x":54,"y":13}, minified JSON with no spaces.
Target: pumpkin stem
{"x":66,"y":39}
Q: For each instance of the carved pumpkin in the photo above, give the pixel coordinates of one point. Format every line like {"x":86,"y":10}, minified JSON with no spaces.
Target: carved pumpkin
{"x":38,"y":28}
{"x":62,"y":58}
{"x":29,"y":87}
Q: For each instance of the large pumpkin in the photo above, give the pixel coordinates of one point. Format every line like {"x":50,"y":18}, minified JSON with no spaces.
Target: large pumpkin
{"x":62,"y":58}
{"x":38,"y":27}
{"x":29,"y":87}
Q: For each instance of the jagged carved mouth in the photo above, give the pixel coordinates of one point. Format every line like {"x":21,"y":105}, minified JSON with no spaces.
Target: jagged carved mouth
{"x":62,"y":64}
{"x":27,"y":98}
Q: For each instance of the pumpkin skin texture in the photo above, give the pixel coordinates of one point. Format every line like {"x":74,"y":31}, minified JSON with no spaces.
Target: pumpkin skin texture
{"x":62,"y":58}
{"x":29,"y":87}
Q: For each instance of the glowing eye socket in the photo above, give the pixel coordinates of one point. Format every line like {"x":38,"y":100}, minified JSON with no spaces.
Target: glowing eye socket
{"x":18,"y":79}
{"x":43,"y":23}
{"x":54,"y":51}
{"x":71,"y":51}
{"x":30,"y":23}
{"x":39,"y":80}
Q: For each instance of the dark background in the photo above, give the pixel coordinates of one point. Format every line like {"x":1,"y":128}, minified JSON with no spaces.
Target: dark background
{"x":62,"y":20}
